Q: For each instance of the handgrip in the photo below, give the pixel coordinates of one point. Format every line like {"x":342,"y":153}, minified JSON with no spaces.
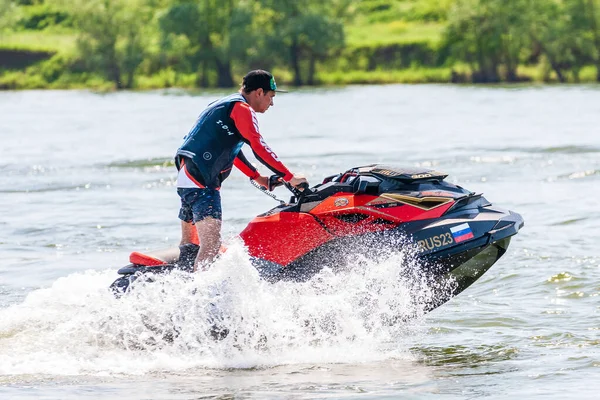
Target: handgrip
{"x":274,"y":181}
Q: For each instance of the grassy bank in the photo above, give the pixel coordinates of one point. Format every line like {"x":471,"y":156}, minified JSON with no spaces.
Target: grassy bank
{"x":45,"y":41}
{"x":36,"y":77}
{"x":392,"y":33}
{"x":385,"y":41}
{"x":411,"y":75}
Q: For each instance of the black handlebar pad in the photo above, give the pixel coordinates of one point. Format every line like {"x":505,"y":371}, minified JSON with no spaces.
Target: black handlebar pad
{"x":274,"y":181}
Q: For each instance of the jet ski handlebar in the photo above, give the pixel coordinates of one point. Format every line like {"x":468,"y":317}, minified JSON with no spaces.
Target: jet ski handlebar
{"x":274,"y":181}
{"x":300,"y":191}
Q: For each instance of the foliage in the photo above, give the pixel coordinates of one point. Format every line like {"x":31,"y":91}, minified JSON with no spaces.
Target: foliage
{"x":207,"y":43}
{"x":593,"y":13}
{"x":429,"y":10}
{"x":486,"y":34}
{"x":29,"y":40}
{"x":41,"y":16}
{"x":112,"y":40}
{"x":489,"y":36}
{"x":217,"y":33}
{"x":8,"y":14}
{"x":393,"y":33}
{"x":304,"y":33}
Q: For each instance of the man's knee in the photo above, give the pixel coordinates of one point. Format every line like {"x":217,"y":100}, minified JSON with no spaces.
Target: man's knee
{"x":209,"y":229}
{"x":209,"y":222}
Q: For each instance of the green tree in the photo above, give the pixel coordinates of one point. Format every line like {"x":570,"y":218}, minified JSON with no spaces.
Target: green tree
{"x":487,"y":35}
{"x":113,"y":35}
{"x":320,"y":35}
{"x":8,"y":14}
{"x":514,"y":41}
{"x":592,"y":10}
{"x":218,"y":33}
{"x":580,"y":31}
{"x":306,"y":32}
{"x":547,"y":30}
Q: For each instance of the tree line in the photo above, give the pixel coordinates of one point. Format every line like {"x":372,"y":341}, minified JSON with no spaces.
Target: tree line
{"x":499,"y":35}
{"x":216,"y":39}
{"x":206,"y":37}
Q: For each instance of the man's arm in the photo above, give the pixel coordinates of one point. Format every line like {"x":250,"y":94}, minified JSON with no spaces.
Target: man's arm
{"x":247,"y":124}
{"x":242,"y":163}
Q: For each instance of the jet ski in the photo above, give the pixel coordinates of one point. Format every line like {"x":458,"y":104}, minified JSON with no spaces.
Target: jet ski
{"x":372,"y":211}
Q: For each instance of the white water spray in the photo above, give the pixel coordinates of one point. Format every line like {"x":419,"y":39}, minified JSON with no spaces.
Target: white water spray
{"x":77,"y":327}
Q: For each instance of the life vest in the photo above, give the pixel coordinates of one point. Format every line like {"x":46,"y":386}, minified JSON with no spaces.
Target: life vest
{"x":213,"y":143}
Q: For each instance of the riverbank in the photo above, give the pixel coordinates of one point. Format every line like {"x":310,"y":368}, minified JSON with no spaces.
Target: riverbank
{"x":36,"y":77}
{"x":379,"y":42}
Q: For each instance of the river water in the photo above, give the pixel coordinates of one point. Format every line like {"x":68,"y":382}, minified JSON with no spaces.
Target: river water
{"x":87,"y":178}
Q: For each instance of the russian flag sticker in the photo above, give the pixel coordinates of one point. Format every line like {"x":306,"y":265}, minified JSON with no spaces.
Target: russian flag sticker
{"x":461,"y":232}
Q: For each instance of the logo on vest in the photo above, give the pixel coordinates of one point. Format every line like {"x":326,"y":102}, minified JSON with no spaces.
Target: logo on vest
{"x":224,"y":127}
{"x":207,"y":156}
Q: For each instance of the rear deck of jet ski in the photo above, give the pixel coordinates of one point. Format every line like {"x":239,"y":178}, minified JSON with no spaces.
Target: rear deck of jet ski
{"x":156,"y":262}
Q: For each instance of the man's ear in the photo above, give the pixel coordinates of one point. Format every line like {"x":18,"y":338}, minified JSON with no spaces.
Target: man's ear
{"x":260,"y":92}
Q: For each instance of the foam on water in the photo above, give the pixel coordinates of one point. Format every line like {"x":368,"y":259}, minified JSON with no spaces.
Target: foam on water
{"x":77,"y":326}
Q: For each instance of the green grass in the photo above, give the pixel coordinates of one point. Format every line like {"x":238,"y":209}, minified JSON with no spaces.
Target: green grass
{"x":588,"y":74}
{"x":538,"y":73}
{"x":411,"y":75}
{"x":38,"y":41}
{"x":394,"y":32}
{"x":436,"y":75}
{"x":14,"y":80}
{"x":166,"y":79}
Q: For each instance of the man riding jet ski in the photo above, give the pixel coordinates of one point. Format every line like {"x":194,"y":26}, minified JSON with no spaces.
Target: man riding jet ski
{"x":371,"y":211}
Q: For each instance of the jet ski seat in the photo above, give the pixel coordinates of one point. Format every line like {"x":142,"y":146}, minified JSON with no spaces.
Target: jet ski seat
{"x":165,"y":256}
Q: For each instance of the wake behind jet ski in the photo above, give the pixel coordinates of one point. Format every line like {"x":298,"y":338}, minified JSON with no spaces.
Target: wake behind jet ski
{"x":371,"y":211}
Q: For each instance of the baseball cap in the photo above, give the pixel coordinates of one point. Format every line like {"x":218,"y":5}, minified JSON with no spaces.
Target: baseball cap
{"x":260,"y":79}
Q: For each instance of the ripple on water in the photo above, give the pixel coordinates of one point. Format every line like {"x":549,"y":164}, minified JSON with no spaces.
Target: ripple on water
{"x":566,"y":340}
{"x":464,"y":356}
{"x":48,"y":188}
{"x":570,"y":149}
{"x":160,"y":183}
{"x":143,"y":163}
{"x":560,"y":277}
{"x":568,"y":286}
{"x":570,"y":221}
{"x":579,"y":175}
{"x":493,"y":160}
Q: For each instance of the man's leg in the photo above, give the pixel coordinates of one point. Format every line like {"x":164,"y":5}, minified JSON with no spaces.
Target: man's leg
{"x":189,"y":234}
{"x":209,"y":234}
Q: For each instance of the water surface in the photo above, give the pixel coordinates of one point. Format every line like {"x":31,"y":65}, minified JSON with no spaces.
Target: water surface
{"x":86,"y":178}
